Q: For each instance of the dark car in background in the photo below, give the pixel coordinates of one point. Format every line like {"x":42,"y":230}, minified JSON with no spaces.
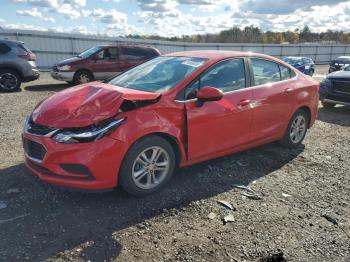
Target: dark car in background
{"x":335,"y":88}
{"x":17,"y":65}
{"x":102,"y":62}
{"x":303,"y":64}
{"x":338,"y":64}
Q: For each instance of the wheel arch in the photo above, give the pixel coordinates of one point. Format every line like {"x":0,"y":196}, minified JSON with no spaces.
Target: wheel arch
{"x":9,"y":67}
{"x":173,"y":141}
{"x":307,"y":110}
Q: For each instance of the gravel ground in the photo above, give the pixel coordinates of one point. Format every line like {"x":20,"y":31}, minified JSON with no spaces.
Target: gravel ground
{"x":303,"y":213}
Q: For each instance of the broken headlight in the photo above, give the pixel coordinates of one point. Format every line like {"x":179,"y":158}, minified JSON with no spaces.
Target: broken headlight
{"x":87,"y":134}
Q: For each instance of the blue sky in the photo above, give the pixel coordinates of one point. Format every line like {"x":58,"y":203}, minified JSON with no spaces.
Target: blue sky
{"x":172,"y":17}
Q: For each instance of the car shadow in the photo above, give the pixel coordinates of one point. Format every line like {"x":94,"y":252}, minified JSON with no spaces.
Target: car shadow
{"x":339,"y":115}
{"x":47,"y":87}
{"x":56,"y":220}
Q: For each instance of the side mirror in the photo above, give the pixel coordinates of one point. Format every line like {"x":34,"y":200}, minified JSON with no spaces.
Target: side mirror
{"x":208,"y":93}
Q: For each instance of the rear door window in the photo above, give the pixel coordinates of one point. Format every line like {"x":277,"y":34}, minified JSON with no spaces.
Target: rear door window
{"x":265,"y":71}
{"x":285,"y":72}
{"x":4,"y":48}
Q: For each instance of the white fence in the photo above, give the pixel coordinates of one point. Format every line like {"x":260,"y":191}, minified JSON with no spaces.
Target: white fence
{"x":53,"y":47}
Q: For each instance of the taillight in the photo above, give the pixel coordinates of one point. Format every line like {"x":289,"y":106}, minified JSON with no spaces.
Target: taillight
{"x":28,"y":56}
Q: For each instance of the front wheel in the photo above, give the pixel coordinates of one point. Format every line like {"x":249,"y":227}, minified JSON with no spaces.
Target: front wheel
{"x":10,"y":81}
{"x":147,"y":166}
{"x":82,"y":77}
{"x":296,"y":129}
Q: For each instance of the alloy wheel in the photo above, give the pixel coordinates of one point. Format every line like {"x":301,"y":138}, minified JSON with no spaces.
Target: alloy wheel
{"x":8,"y":81}
{"x":150,"y":167}
{"x":298,"y":129}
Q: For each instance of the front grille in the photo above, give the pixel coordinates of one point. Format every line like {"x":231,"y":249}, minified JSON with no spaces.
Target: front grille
{"x":341,"y":86}
{"x":33,"y":149}
{"x":39,"y":130}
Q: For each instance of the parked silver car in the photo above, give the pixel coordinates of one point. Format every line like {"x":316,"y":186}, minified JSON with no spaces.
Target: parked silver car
{"x":17,"y":64}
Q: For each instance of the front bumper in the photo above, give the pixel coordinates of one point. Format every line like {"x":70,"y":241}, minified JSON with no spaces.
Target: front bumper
{"x":92,"y":165}
{"x":62,"y":76}
{"x":333,"y":97}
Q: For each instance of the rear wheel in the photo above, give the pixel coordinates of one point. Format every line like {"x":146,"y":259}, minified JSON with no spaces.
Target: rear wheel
{"x":312,"y":72}
{"x":82,"y":77}
{"x":296,"y":129}
{"x":10,"y":80}
{"x":328,"y":105}
{"x":147,"y":166}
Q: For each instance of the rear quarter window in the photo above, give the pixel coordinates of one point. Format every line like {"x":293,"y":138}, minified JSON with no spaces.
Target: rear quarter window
{"x":4,"y":48}
{"x":265,"y":71}
{"x":138,"y":53}
{"x":286,"y":73}
{"x":23,"y":49}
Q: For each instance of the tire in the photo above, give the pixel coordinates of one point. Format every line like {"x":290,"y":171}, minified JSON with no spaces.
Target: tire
{"x":82,"y":77}
{"x":327,"y":105}
{"x":293,"y":138}
{"x":10,"y":80}
{"x":139,"y":183}
{"x":311,"y":73}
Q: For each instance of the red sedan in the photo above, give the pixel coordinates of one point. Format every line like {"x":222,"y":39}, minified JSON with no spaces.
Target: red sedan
{"x":172,"y":111}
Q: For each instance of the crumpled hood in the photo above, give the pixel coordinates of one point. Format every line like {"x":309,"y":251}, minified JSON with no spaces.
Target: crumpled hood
{"x":85,"y":105}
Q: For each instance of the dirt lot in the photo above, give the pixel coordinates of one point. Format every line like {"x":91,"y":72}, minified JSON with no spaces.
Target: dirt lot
{"x":304,"y":213}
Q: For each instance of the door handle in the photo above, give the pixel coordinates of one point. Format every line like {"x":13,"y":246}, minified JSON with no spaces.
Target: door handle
{"x":288,"y":90}
{"x":244,"y":102}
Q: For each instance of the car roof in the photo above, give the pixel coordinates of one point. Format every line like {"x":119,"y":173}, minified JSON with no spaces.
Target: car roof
{"x":342,"y":57}
{"x":219,"y":54}
{"x":10,"y":41}
{"x":128,"y":45}
{"x":298,"y":57}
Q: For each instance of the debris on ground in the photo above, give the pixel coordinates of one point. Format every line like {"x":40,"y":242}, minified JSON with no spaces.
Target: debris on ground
{"x":229,"y":218}
{"x":279,"y":257}
{"x":242,"y":187}
{"x":249,"y":193}
{"x":212,"y":215}
{"x":286,"y":195}
{"x":252,"y":195}
{"x":330,"y":219}
{"x":226,"y":204}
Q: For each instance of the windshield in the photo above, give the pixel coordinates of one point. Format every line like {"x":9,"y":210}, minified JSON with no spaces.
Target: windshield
{"x":159,"y":74}
{"x":89,"y":52}
{"x":292,"y":60}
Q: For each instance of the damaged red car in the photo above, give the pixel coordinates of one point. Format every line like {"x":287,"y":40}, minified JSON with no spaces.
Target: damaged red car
{"x":172,"y":111}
